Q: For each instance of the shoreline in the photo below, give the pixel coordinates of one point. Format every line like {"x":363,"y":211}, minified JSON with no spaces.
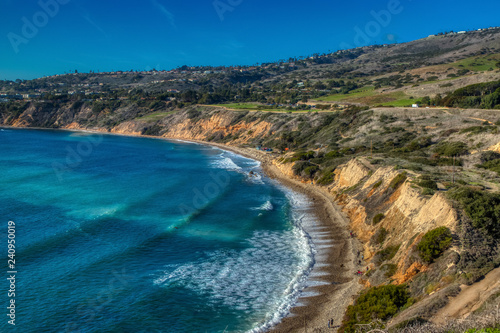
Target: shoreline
{"x":332,"y":280}
{"x":331,"y":284}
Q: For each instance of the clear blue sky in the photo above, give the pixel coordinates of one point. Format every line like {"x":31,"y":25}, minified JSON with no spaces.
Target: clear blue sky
{"x":102,"y":35}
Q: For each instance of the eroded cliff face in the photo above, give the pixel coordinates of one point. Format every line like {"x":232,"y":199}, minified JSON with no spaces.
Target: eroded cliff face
{"x":210,"y":124}
{"x":365,"y":191}
{"x":221,"y":124}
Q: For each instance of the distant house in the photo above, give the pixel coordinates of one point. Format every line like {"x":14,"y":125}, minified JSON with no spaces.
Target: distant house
{"x":461,"y":32}
{"x":415,"y":106}
{"x":173,"y":91}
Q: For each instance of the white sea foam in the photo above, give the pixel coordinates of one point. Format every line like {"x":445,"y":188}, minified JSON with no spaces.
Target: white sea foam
{"x":255,"y":178}
{"x":268,"y":206}
{"x":253,"y":280}
{"x":223,"y":162}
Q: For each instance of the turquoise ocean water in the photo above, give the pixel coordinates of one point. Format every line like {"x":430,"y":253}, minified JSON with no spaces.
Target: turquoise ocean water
{"x":120,"y":234}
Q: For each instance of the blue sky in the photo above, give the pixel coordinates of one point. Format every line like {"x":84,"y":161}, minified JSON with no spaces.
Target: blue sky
{"x":48,"y":37}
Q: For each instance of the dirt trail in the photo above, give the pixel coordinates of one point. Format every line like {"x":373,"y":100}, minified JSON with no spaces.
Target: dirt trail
{"x":470,"y":298}
{"x":480,"y":119}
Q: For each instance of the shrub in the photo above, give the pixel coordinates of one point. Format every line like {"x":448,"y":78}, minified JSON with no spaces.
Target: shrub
{"x":489,"y":156}
{"x":491,"y":161}
{"x":377,"y":185}
{"x":491,"y":165}
{"x":376,"y":303}
{"x":305,"y":169}
{"x":302,"y":156}
{"x":333,"y":154}
{"x":310,"y":171}
{"x":451,"y":148}
{"x":377,"y":218}
{"x":398,"y":180}
{"x":427,"y":191}
{"x":379,"y":237}
{"x":428,"y":184}
{"x":481,"y":207}
{"x":386,"y":254}
{"x":326,"y":179}
{"x":434,"y":243}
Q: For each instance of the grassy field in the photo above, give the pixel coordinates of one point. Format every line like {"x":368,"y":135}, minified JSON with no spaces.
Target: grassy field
{"x":369,"y":96}
{"x":355,"y":94}
{"x":155,"y":116}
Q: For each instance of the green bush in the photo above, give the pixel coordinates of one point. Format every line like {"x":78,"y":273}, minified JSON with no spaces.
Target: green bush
{"x":379,"y":237}
{"x":386,"y":254}
{"x":376,"y":303}
{"x":427,"y":191}
{"x":302,"y":156}
{"x":491,"y":165}
{"x":398,"y":180}
{"x":333,"y":154}
{"x":489,"y":156}
{"x":326,"y":179}
{"x":434,"y":243}
{"x":377,"y":218}
{"x":483,"y":208}
{"x":451,"y":148}
{"x":310,"y":171}
{"x":484,"y":330}
{"x":491,"y":161}
{"x":377,"y":185}
{"x":430,"y":184}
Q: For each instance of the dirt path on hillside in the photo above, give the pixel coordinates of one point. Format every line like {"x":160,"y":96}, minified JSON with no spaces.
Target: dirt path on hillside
{"x":470,"y":298}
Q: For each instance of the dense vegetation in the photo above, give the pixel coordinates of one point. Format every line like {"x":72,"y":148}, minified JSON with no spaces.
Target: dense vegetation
{"x":480,"y":96}
{"x":434,"y":243}
{"x":482,"y":208}
{"x":376,"y":303}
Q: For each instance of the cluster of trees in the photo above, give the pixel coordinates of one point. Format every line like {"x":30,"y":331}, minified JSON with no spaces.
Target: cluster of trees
{"x":480,"y":96}
{"x":376,"y":303}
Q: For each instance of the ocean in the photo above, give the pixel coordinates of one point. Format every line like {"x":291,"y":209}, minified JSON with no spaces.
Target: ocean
{"x":126,"y":234}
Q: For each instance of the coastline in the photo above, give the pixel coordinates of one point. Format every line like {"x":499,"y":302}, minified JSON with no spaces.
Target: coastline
{"x":332,"y":283}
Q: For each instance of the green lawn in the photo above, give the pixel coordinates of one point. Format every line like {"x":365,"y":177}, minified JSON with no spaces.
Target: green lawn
{"x":155,"y":116}
{"x":369,"y":96}
{"x":358,"y":93}
{"x":400,"y":103}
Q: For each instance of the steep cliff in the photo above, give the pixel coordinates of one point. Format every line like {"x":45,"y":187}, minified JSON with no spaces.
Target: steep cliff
{"x":365,"y":191}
